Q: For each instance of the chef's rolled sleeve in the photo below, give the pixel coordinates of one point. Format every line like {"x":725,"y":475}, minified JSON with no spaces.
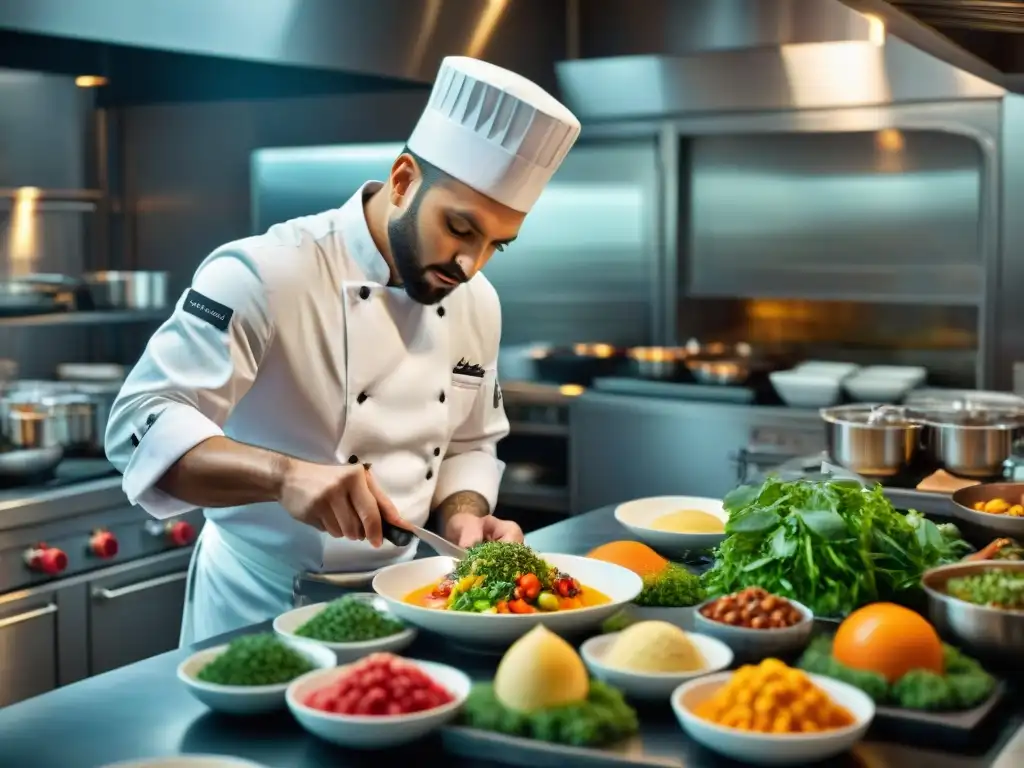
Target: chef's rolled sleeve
{"x":472,"y":463}
{"x":194,"y":370}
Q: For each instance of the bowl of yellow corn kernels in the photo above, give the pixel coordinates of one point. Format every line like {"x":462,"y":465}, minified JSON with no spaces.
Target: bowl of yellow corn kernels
{"x":998,"y":507}
{"x":773,"y":714}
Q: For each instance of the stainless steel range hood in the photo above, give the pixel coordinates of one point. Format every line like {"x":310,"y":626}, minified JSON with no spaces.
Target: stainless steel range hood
{"x":709,"y":56}
{"x":984,"y":37}
{"x":398,"y":39}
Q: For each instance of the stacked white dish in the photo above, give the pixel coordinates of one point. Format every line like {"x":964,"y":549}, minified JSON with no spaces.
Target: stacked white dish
{"x":814,"y":384}
{"x":884,"y":383}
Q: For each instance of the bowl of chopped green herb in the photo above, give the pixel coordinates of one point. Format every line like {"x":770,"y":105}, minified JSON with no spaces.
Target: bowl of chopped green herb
{"x":250,"y":675}
{"x":980,"y":604}
{"x":352,"y":626}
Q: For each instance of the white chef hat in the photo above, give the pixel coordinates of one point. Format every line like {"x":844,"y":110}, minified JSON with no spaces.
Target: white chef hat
{"x":494,"y":131}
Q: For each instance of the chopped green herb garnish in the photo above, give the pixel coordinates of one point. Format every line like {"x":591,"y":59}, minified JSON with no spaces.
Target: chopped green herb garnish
{"x":255,"y":660}
{"x":350,"y":620}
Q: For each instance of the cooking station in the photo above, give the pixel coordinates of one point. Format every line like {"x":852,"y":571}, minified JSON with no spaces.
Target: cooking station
{"x":144,"y":710}
{"x":87,"y":583}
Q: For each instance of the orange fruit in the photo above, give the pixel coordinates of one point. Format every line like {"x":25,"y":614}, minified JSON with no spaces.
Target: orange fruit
{"x":637,"y":557}
{"x":888,"y":639}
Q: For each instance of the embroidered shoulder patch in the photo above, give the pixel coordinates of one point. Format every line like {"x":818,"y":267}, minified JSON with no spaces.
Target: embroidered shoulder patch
{"x":205,"y":308}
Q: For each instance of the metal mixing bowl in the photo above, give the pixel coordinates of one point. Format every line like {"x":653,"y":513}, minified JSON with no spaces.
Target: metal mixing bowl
{"x":987,"y":632}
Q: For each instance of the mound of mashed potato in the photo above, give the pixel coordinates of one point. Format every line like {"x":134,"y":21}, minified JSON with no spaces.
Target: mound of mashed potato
{"x":654,"y":646}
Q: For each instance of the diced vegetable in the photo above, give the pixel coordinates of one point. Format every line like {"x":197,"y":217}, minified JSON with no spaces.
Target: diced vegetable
{"x":995,"y":588}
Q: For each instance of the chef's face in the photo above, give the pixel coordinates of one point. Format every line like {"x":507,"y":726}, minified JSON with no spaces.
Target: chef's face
{"x":442,"y":232}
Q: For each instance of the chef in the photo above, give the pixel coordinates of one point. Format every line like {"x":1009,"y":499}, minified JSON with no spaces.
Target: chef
{"x":341,"y":368}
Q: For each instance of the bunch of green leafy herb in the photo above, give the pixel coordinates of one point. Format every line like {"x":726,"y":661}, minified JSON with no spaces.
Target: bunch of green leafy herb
{"x":671,"y":587}
{"x":831,"y":545}
{"x":349,"y":620}
{"x":503,"y":561}
{"x":255,"y":660}
{"x":965,"y":683}
{"x":603,"y":718}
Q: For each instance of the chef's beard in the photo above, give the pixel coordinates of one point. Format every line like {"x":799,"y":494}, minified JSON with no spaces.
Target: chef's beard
{"x":404,"y":242}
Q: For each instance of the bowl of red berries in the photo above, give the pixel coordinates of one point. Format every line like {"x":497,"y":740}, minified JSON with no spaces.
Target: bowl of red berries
{"x":379,"y":701}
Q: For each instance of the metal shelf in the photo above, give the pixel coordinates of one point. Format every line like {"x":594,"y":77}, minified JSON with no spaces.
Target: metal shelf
{"x":539,"y":497}
{"x":114,"y":316}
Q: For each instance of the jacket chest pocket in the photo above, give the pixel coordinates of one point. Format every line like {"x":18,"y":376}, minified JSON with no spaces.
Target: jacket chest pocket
{"x":464,"y":395}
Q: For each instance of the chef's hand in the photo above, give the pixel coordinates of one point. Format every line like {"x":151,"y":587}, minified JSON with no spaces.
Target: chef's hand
{"x":466,"y":529}
{"x":346,"y":502}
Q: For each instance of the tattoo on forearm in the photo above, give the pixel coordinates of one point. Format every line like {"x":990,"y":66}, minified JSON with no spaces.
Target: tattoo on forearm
{"x":463,"y":501}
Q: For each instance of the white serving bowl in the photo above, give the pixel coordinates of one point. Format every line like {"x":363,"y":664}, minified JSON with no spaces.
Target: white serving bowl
{"x":773,"y":748}
{"x":758,"y":644}
{"x":807,"y":388}
{"x":375,"y":731}
{"x":827,"y":368}
{"x":246,"y":699}
{"x":647,"y":685}
{"x":395,"y":582}
{"x":286,"y":624}
{"x":188,"y":761}
{"x":639,"y":515}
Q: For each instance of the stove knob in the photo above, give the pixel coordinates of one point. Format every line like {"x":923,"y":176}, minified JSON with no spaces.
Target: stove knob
{"x":46,"y":559}
{"x":103,"y":544}
{"x":181,"y":534}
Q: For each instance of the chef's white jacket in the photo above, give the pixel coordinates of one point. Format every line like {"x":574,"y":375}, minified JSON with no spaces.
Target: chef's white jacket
{"x":293,"y":341}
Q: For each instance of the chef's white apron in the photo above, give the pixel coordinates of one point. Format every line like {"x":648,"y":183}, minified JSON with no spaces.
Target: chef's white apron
{"x":401,"y":405}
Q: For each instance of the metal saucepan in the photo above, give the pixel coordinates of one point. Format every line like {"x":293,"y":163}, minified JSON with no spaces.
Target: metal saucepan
{"x":579,"y":364}
{"x":127,"y":289}
{"x":661,"y":363}
{"x":47,"y":414}
{"x":869,"y":441}
{"x":972,"y":443}
{"x":985,"y":631}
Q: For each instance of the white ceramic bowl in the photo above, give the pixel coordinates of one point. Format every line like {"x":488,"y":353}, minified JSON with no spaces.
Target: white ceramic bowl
{"x":395,"y":582}
{"x":188,"y":761}
{"x":827,"y":368}
{"x":639,"y":515}
{"x":771,"y":748}
{"x":758,"y":644}
{"x":286,"y":624}
{"x":807,"y":388}
{"x":375,"y":731}
{"x":651,"y":686}
{"x":246,"y":699}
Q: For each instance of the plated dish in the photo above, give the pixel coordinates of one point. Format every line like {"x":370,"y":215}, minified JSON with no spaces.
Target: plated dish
{"x":500,"y":577}
{"x":410,"y":590}
{"x":379,"y":701}
{"x":756,"y":624}
{"x":998,"y":507}
{"x":541,"y":691}
{"x":352,"y":626}
{"x":251,"y":674}
{"x":675,"y":525}
{"x":772,"y":714}
{"x":650,"y":659}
